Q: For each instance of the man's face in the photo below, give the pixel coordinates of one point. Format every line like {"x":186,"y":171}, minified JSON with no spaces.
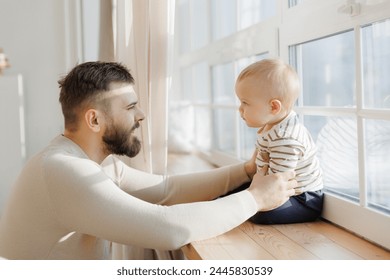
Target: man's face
{"x":122,"y":119}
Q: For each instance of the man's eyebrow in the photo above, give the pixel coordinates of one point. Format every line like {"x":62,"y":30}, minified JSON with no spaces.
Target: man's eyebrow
{"x":131,"y":104}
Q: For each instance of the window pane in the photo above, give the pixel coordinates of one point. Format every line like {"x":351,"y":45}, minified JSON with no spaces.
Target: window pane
{"x":253,"y":11}
{"x":377,"y":145}
{"x":314,"y":124}
{"x":184,"y":25}
{"x":199,"y":23}
{"x":376,"y":65}
{"x":202,"y":128}
{"x":338,"y":153}
{"x":292,"y":3}
{"x":200,"y":85}
{"x":247,"y":140}
{"x":224,"y":130}
{"x":186,"y":83}
{"x":223,"y":83}
{"x":223,"y":18}
{"x":327,"y":69}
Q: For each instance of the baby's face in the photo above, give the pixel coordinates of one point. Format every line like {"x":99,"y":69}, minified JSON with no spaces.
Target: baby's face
{"x":255,"y":108}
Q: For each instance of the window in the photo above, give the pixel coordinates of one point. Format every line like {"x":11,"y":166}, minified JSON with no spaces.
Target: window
{"x":376,"y":64}
{"x":344,"y":65}
{"x":376,"y":96}
{"x":327,"y":70}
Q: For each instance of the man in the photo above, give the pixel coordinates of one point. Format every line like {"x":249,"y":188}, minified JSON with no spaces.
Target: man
{"x":74,"y":195}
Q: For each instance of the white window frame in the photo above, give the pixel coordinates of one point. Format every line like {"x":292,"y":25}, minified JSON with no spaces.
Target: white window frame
{"x":296,"y":25}
{"x":348,"y":214}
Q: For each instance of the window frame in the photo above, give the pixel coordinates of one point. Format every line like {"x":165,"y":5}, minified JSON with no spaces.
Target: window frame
{"x":337,"y":209}
{"x":292,"y":26}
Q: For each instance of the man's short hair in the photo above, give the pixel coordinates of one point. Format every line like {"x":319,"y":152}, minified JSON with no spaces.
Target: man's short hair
{"x":85,"y":83}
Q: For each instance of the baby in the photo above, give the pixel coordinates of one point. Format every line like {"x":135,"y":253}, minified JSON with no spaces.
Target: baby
{"x":267,"y":91}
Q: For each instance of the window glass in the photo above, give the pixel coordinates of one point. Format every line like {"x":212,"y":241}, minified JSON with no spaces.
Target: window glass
{"x":183,"y":18}
{"x":376,"y":64}
{"x":327,"y":69}
{"x":223,"y":80}
{"x":229,"y":16}
{"x":224,"y":130}
{"x":292,"y":3}
{"x":186,"y":84}
{"x":338,"y":153}
{"x":247,"y":140}
{"x":200,"y":86}
{"x":202,"y":128}
{"x":314,"y":124}
{"x":253,"y":11}
{"x":223,"y":18}
{"x":377,"y":143}
{"x":199,"y":24}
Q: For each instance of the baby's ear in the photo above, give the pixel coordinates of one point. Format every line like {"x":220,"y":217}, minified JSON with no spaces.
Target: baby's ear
{"x":276,"y":106}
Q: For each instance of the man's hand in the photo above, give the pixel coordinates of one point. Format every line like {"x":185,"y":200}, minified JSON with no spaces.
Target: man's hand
{"x":273,"y":190}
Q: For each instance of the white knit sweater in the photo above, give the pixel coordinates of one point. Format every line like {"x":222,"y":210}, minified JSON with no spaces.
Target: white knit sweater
{"x":65,"y":206}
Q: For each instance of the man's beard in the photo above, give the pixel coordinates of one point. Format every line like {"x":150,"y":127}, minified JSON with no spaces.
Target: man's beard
{"x":121,"y":141}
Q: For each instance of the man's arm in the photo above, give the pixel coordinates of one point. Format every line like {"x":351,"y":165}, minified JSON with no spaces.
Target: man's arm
{"x":184,"y":188}
{"x":85,"y":200}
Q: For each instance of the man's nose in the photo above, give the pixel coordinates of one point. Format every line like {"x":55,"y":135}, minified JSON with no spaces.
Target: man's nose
{"x":140,"y":116}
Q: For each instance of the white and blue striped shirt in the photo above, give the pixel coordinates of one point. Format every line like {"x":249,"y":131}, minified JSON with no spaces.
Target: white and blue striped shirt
{"x":289,"y":146}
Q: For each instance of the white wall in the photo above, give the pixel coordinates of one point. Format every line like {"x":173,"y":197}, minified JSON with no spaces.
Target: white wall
{"x":37,"y":37}
{"x":12,"y":142}
{"x":32,"y":36}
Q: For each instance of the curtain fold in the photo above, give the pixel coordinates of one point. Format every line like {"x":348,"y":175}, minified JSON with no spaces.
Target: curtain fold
{"x":106,"y":32}
{"x":144,"y":44}
{"x":139,"y":35}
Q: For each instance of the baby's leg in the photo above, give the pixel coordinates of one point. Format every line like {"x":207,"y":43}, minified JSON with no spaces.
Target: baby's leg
{"x":305,"y":207}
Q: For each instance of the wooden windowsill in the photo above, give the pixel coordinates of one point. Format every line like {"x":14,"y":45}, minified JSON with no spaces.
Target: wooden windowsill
{"x":306,"y":241}
{"x":316,"y":240}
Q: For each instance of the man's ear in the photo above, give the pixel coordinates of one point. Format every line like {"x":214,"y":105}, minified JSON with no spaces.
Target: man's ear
{"x":276,"y":106}
{"x":93,"y":119}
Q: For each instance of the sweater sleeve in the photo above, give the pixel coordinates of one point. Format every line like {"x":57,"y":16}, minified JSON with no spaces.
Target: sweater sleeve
{"x":192,"y":187}
{"x":86,"y":200}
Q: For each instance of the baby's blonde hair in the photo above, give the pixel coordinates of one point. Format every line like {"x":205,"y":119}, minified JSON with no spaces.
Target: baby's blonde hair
{"x":282,"y":78}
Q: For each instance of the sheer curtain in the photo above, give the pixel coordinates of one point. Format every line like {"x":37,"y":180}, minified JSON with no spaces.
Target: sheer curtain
{"x":139,"y":34}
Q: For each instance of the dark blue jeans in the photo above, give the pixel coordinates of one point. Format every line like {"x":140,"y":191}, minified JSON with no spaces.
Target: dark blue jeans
{"x":306,"y":207}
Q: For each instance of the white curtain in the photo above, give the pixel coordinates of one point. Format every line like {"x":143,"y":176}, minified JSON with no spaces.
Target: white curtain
{"x":142,"y":32}
{"x":139,"y":34}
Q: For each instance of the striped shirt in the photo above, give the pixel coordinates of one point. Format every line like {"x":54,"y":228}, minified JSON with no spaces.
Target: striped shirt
{"x":289,"y":146}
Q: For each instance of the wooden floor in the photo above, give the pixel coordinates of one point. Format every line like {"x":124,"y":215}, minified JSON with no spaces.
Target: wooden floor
{"x":318,"y":240}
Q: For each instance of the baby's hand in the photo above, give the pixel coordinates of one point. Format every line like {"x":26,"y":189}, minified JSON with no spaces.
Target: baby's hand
{"x":265,"y":156}
{"x":250,"y":165}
